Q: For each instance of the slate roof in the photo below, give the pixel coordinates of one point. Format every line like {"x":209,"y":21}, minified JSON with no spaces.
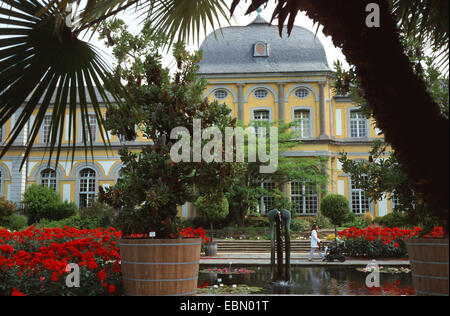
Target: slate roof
{"x":230,"y":50}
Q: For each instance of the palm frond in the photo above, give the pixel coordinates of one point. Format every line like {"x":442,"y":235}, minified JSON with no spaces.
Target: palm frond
{"x":428,"y":22}
{"x":184,"y":20}
{"x":39,"y":71}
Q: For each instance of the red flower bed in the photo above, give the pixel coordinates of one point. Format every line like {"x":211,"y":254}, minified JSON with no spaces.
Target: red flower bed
{"x":34,"y":261}
{"x":380,"y":242}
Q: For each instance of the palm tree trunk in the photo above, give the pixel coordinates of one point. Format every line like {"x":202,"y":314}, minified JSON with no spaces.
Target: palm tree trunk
{"x":406,"y":113}
{"x":403,"y":108}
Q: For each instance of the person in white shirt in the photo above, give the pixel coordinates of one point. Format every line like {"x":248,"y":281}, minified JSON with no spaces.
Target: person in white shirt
{"x":315,"y":243}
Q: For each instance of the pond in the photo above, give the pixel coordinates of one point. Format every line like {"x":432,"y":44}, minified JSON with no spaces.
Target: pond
{"x":305,"y":280}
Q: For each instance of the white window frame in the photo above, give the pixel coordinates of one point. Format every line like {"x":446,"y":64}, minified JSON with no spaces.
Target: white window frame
{"x":265,"y":199}
{"x":358,"y":195}
{"x":94,"y":129}
{"x":361,"y":122}
{"x":306,"y":198}
{"x":310,"y":121}
{"x":254,"y":111}
{"x":87,"y":196}
{"x":49,"y":180}
{"x":45,"y":129}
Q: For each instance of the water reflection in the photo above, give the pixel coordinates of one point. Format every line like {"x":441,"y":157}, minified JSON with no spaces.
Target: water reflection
{"x":316,"y":281}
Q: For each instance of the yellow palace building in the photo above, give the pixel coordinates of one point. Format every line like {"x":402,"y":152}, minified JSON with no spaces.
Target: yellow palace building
{"x":260,"y":76}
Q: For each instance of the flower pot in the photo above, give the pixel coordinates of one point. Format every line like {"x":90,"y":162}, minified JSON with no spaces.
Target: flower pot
{"x":160,"y":266}
{"x":211,"y":249}
{"x":429,"y":264}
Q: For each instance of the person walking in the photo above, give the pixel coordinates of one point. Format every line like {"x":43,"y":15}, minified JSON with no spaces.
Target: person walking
{"x":315,"y":243}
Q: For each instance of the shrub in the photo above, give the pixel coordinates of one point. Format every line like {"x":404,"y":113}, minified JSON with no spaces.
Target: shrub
{"x":300,"y":225}
{"x":353,"y":220}
{"x":212,"y":208}
{"x":331,"y":237}
{"x":100,"y":212}
{"x":368,"y":218}
{"x":44,"y":202}
{"x":59,"y":211}
{"x":17,"y":222}
{"x":6,"y":210}
{"x":394,"y":219}
{"x":74,"y":221}
{"x":335,"y":207}
{"x":37,"y":199}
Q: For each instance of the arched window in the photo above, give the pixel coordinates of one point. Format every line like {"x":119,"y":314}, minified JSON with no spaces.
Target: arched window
{"x":88,"y":185}
{"x":48,"y":178}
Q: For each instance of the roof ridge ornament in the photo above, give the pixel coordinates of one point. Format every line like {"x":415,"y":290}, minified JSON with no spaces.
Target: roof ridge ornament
{"x":259,"y":10}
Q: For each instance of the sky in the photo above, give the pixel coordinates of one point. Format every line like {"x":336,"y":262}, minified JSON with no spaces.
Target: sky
{"x":239,"y":19}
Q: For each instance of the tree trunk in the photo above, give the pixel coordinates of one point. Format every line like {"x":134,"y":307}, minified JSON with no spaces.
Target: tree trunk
{"x":403,"y":108}
{"x":212,"y":232}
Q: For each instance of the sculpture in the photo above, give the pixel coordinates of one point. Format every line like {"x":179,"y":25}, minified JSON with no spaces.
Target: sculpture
{"x":280,"y":218}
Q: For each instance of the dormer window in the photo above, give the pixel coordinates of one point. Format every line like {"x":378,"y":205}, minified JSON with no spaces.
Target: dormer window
{"x":261,"y":49}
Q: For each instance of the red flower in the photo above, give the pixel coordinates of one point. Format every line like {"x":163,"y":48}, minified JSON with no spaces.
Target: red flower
{"x":102,"y":275}
{"x":16,"y":292}
{"x":54,"y":277}
{"x":7,"y":249}
{"x":112,"y":288}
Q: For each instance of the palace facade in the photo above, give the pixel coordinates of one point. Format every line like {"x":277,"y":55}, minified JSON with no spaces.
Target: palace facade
{"x":260,"y":76}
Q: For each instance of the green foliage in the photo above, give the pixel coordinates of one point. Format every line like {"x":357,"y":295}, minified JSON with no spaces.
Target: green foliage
{"x":373,"y":249}
{"x":74,"y":221}
{"x":37,"y":199}
{"x":59,"y":210}
{"x":16,"y":222}
{"x":246,"y":190}
{"x":6,"y":210}
{"x":300,"y":225}
{"x":152,"y":184}
{"x":321,"y":220}
{"x":393,"y":219}
{"x":380,"y":175}
{"x":353,"y":220}
{"x":100,"y":212}
{"x":212,"y":207}
{"x":335,"y":207}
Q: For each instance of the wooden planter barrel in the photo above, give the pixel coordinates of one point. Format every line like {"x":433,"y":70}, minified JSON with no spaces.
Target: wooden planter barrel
{"x":160,"y":266}
{"x":429,"y":264}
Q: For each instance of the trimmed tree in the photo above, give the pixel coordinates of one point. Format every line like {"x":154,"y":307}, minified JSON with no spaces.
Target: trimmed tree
{"x":336,"y":208}
{"x":212,"y":207}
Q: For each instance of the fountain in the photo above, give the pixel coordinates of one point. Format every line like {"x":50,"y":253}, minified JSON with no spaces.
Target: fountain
{"x":281,"y":218}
